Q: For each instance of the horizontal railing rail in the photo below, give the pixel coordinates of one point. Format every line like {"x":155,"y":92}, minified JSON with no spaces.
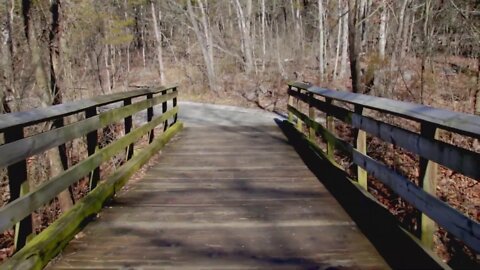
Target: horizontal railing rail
{"x":18,"y":148}
{"x":424,"y":143}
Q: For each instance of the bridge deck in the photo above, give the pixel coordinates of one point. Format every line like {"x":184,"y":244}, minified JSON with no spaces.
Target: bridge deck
{"x":223,"y":197}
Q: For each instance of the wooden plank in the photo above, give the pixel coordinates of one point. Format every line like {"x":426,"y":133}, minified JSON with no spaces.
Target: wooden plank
{"x":21,"y":119}
{"x":464,"y":228}
{"x":39,"y":143}
{"x":237,"y":222}
{"x":330,"y":125}
{"x":128,"y":122}
{"x":452,"y":220}
{"x":51,"y":241}
{"x":428,"y":181}
{"x":150,"y":114}
{"x":361,"y":147}
{"x":92,"y":144}
{"x":456,"y":158}
{"x":461,"y":123}
{"x":22,"y":207}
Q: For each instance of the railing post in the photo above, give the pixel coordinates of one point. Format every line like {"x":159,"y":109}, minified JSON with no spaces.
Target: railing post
{"x":128,"y":128}
{"x":361,"y":146}
{"x":311,"y":115}
{"x":290,"y":102}
{"x":175,"y":105}
{"x":92,"y":144}
{"x":164,"y":110}
{"x":150,"y":114}
{"x":428,"y":181}
{"x":18,"y":184}
{"x":299,"y":121}
{"x":330,"y":124}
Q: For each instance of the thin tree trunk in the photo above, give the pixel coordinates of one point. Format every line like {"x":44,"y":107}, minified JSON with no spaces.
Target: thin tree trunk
{"x":382,"y":35}
{"x":321,"y":30}
{"x":345,"y":26}
{"x":339,"y":41}
{"x":205,"y":41}
{"x":158,"y":38}
{"x":354,"y":45}
{"x":264,"y":46}
{"x":57,"y":156}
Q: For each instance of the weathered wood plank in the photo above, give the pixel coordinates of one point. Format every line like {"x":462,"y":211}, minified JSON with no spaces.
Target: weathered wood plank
{"x":452,"y":220}
{"x":453,"y":121}
{"x":21,"y":119}
{"x":39,"y":143}
{"x":456,"y":158}
{"x":223,"y":217}
{"x":20,"y":208}
{"x":51,"y":241}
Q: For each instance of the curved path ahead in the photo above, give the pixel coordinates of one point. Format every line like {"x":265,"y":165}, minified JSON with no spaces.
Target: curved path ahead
{"x":229,"y":192}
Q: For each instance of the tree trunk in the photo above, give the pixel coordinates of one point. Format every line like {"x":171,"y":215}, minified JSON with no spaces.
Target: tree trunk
{"x":382,"y":35}
{"x":57,"y":156}
{"x":345,"y":26}
{"x":321,"y":39}
{"x":245,"y":33}
{"x":339,"y":40}
{"x":264,"y":46}
{"x":158,"y":39}
{"x":205,"y":41}
{"x":354,"y":43}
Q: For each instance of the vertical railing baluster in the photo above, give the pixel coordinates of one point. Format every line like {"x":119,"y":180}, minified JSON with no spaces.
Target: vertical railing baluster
{"x":92,"y":144}
{"x":297,"y":102}
{"x":428,"y":181}
{"x":164,"y":110}
{"x":290,"y":102}
{"x":361,"y":146}
{"x":311,"y":115}
{"x":175,"y":105}
{"x":128,"y":128}
{"x":150,"y":114}
{"x":18,"y":184}
{"x":330,"y":124}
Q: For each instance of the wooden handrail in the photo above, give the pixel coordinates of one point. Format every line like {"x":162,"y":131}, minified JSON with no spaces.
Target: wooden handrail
{"x":17,"y":149}
{"x":460,"y":123}
{"x":31,"y":117}
{"x":425,"y":144}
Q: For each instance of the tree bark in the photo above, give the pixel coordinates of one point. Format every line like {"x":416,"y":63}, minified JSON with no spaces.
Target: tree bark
{"x":57,"y":156}
{"x":382,"y":35}
{"x":345,"y":27}
{"x":158,"y":39}
{"x":354,"y":43}
{"x":321,"y":40}
{"x":205,"y":41}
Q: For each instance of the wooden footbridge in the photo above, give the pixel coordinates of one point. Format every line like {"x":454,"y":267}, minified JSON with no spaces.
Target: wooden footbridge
{"x":234,"y":188}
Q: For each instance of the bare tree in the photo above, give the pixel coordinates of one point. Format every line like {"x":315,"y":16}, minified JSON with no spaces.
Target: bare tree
{"x":158,"y":39}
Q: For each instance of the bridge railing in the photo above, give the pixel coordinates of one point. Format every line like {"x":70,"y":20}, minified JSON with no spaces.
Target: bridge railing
{"x":93,"y":117}
{"x":350,"y":108}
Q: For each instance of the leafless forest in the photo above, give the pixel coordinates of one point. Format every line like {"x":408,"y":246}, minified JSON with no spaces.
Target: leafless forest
{"x":243,"y":52}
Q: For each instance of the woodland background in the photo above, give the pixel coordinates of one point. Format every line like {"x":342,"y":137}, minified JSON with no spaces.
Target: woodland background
{"x":243,"y":52}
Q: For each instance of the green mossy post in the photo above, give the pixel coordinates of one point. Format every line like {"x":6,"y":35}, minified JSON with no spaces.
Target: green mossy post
{"x":361,"y":146}
{"x":290,"y":102}
{"x":311,"y":115}
{"x":330,"y":123}
{"x":428,"y":181}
